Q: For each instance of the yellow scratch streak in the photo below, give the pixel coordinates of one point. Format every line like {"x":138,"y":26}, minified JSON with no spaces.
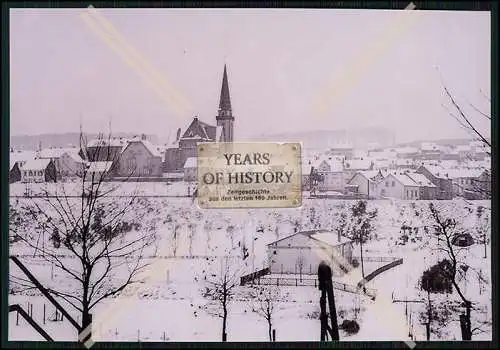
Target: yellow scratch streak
{"x":366,"y":60}
{"x":112,"y":42}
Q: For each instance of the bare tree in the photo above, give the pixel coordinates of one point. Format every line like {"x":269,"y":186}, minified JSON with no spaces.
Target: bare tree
{"x":447,"y":229}
{"x":221,"y":278}
{"x":467,"y":119}
{"x":263,"y":302}
{"x":98,"y":240}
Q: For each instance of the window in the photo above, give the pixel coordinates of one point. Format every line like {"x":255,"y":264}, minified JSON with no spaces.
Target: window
{"x":387,"y":184}
{"x":31,"y":173}
{"x":40,"y":173}
{"x":393,"y":183}
{"x":25,"y":173}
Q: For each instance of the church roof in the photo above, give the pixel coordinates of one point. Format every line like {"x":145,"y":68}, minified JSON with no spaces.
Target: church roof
{"x":199,"y":129}
{"x":225,"y":100}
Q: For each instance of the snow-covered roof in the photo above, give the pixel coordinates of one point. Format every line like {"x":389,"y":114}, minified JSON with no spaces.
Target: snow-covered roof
{"x":191,"y":162}
{"x":403,"y":161}
{"x":368,"y":174}
{"x":420,"y":179}
{"x":20,"y":156}
{"x":329,"y":238}
{"x":36,"y":164}
{"x":403,"y":178}
{"x":98,"y":167}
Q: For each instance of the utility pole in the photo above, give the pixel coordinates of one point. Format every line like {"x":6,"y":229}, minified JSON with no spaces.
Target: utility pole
{"x":326,"y":287}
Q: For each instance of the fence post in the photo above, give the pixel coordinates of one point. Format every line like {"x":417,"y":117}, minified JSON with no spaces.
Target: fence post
{"x":295,"y":282}
{"x":278,"y":282}
{"x":31,"y":310}
{"x":43,"y":313}
{"x":17,"y":318}
{"x":274,"y":334}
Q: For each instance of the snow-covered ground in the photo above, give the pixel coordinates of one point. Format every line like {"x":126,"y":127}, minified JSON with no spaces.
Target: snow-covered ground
{"x":170,"y":306}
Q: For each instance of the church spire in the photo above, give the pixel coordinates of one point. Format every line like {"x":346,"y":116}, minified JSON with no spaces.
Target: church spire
{"x":225,"y":100}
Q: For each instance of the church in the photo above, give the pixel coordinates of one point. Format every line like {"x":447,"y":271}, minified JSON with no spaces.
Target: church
{"x":199,"y":131}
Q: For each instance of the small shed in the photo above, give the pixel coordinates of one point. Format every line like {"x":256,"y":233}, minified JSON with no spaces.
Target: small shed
{"x":302,"y":252}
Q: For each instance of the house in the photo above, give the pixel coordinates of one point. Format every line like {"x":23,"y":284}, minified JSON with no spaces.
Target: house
{"x":330,"y":171}
{"x":436,"y":175}
{"x":354,"y":165}
{"x":470,"y":182}
{"x":364,"y":182}
{"x":39,"y":170}
{"x":17,"y":159}
{"x":139,"y":158}
{"x":104,"y":150}
{"x":302,"y":252}
{"x":190,"y":168}
{"x":428,"y":191}
{"x":71,"y":165}
{"x":398,"y":185}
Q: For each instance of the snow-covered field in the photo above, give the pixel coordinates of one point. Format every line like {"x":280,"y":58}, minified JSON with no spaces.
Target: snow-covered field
{"x":169,"y":305}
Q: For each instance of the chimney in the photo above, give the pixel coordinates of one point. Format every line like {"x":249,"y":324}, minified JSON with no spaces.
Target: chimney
{"x":195,"y":117}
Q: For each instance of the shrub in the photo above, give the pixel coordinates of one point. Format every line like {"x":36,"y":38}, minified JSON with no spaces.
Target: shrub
{"x":349,"y":326}
{"x":438,"y":278}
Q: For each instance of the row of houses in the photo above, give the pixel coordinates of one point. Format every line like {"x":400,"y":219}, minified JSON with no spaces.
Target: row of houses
{"x":117,"y":158}
{"x":425,"y":183}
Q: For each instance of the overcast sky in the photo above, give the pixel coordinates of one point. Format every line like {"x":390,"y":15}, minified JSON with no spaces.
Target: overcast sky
{"x":369,"y":68}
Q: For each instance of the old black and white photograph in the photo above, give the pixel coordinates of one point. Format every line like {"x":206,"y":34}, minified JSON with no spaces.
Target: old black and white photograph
{"x":382,"y":231}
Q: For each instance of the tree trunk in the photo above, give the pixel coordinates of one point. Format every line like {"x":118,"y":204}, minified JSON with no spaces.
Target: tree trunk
{"x":429,"y":316}
{"x":269,"y":325}
{"x":224,"y":319}
{"x":466,"y":330}
{"x":361,"y":257}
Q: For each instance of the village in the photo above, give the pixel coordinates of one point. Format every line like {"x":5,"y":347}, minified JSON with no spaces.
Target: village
{"x":431,"y":172}
{"x":107,"y":241}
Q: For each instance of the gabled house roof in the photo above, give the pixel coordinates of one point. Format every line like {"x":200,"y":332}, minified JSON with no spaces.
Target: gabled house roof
{"x":36,"y":164}
{"x":149,"y":146}
{"x":20,"y":156}
{"x":420,"y":179}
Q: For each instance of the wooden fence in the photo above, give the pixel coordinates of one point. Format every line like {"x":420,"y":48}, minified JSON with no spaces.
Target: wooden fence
{"x":310,"y":282}
{"x":381,"y":269}
{"x":252,"y":276}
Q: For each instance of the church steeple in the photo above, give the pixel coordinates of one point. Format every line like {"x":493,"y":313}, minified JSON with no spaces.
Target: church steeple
{"x":225,"y":117}
{"x":225,"y":100}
